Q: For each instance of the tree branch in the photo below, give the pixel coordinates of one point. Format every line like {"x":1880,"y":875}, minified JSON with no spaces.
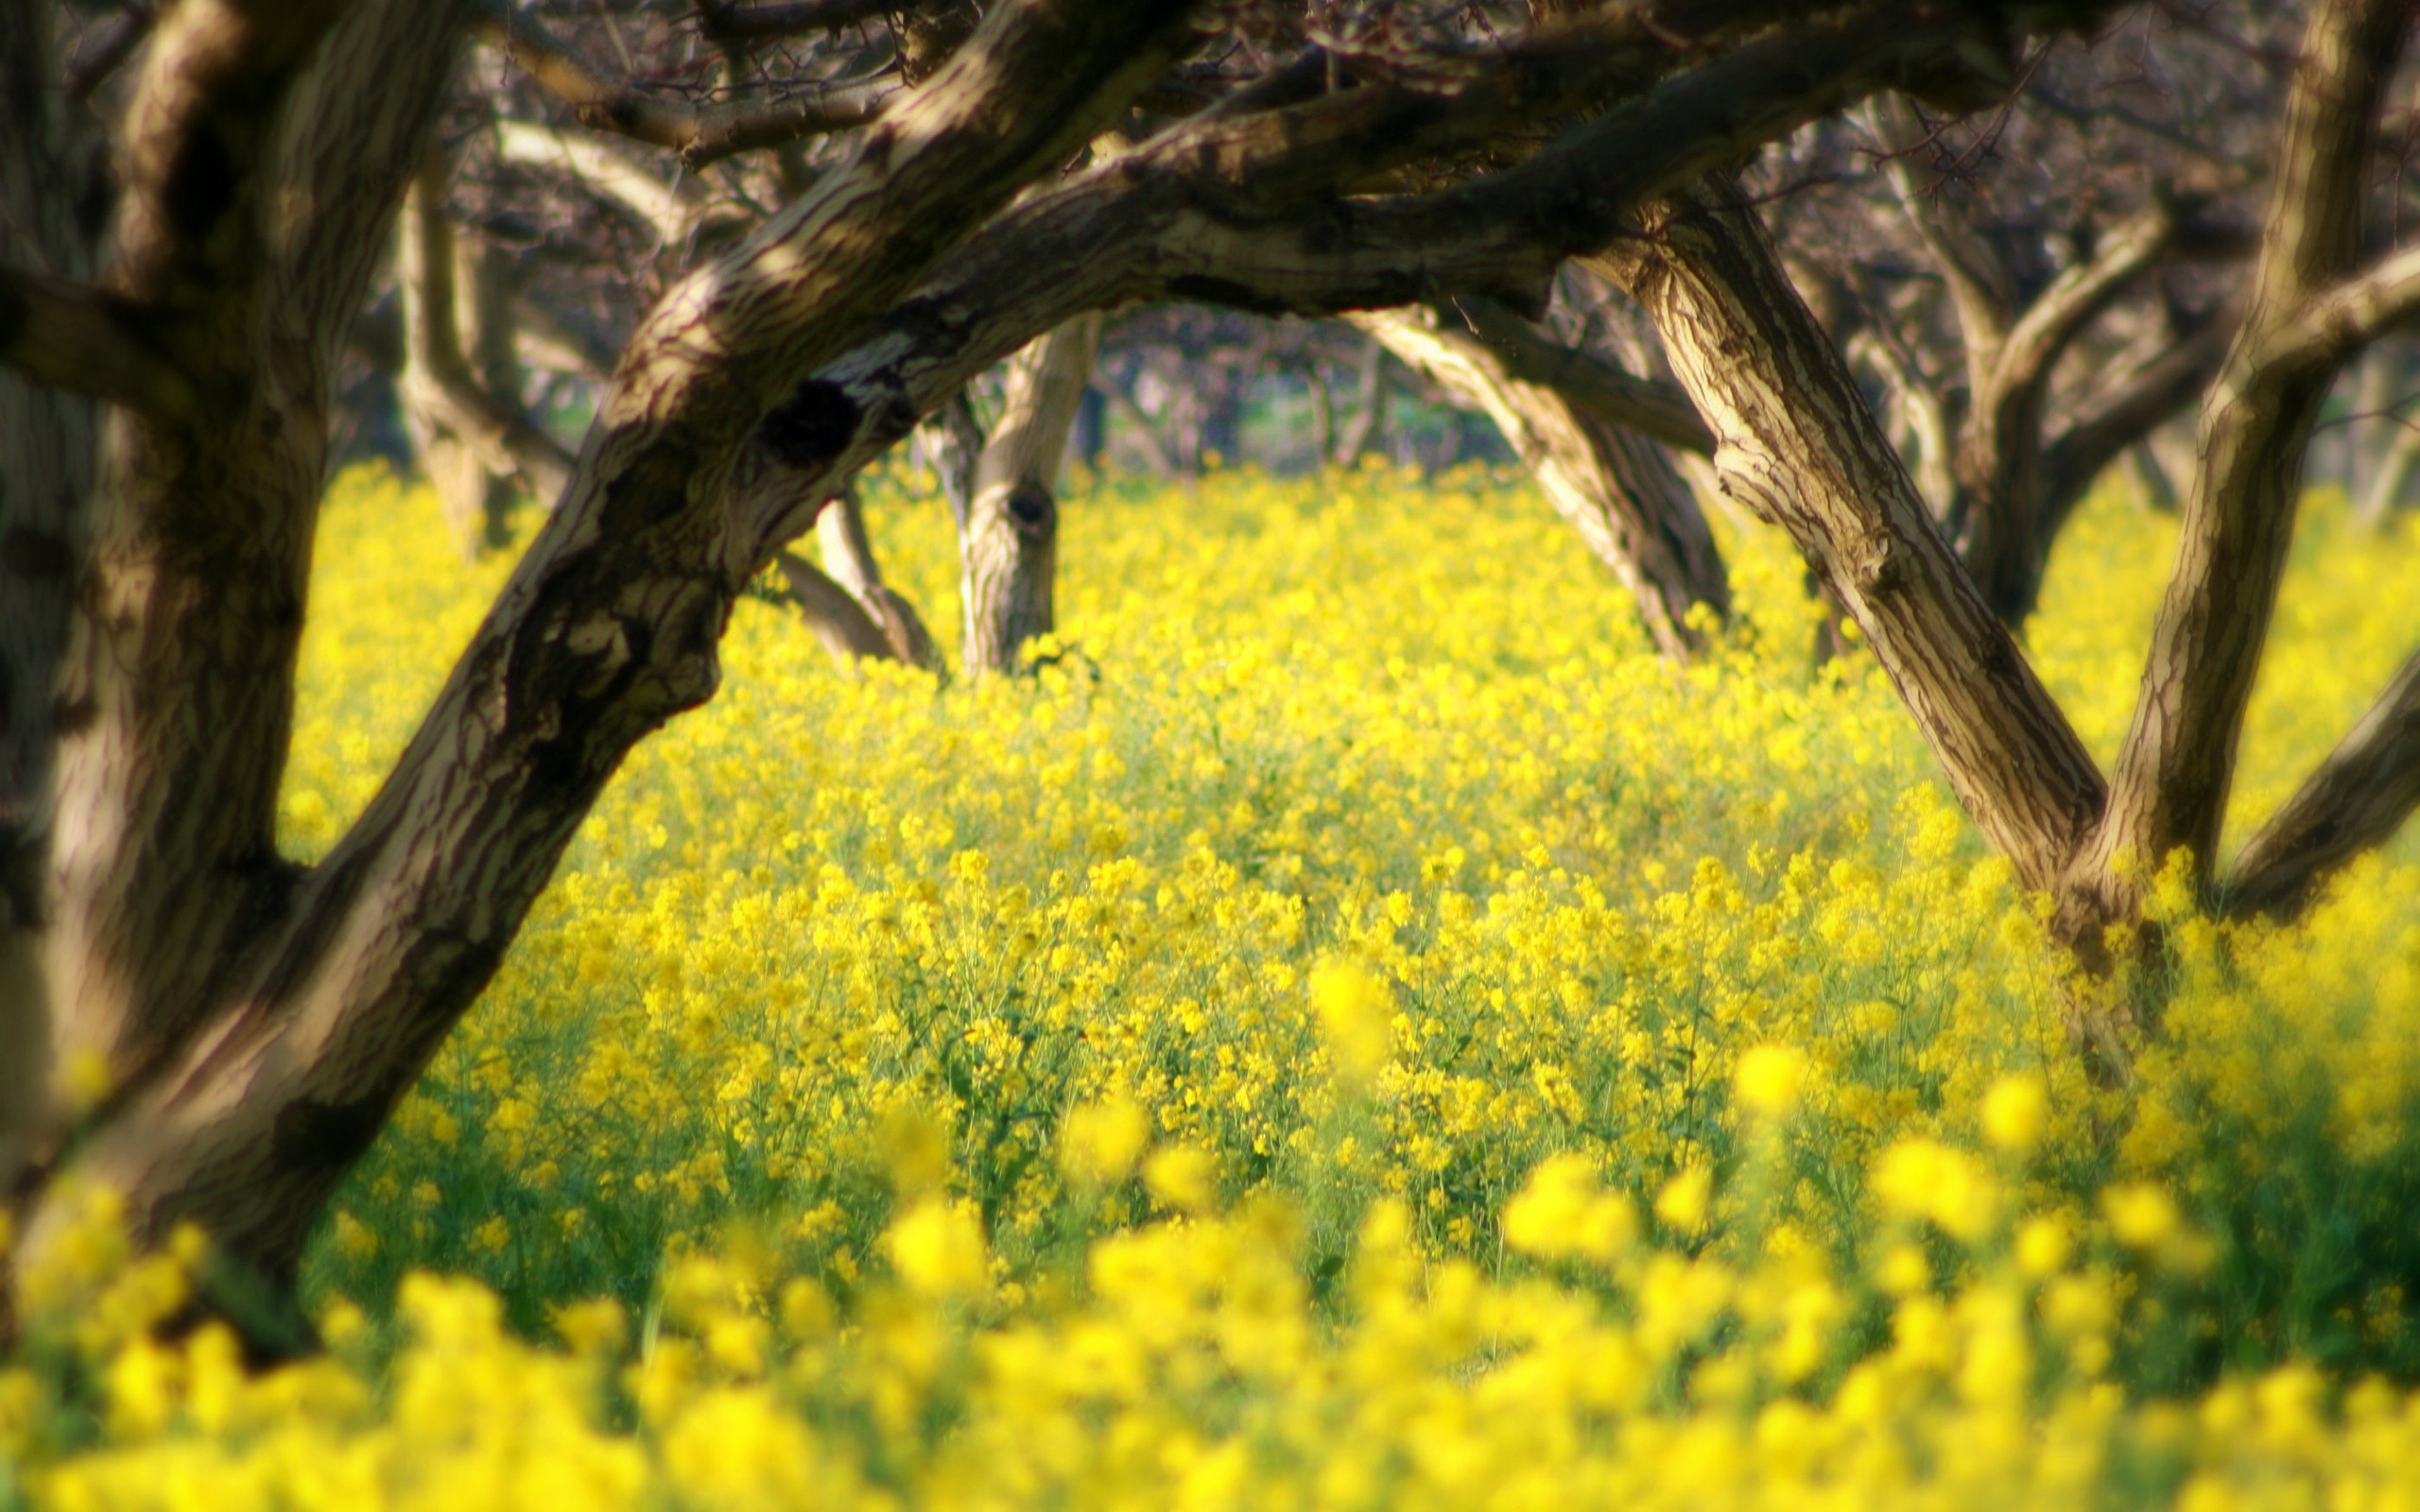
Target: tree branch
{"x":78,"y":337}
{"x":2042,"y":335}
{"x":2356,"y":798}
{"x":608,"y":626}
{"x":700,"y":134}
{"x":2337,"y":321}
{"x":2125,"y":415}
{"x":1981,"y":288}
{"x":666,"y":208}
{"x":1637,"y":518}
{"x":1660,"y":411}
{"x":2171,"y":783}
{"x":727,"y":21}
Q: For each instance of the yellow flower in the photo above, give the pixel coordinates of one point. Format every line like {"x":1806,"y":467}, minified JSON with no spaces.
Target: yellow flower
{"x":1099,"y":1143}
{"x":1353,"y":1008}
{"x":1771,"y":1078}
{"x":1183,"y":1177}
{"x":1560,"y":1213}
{"x":2016,"y":1113}
{"x":937,"y":1249}
{"x":2141,"y":1215}
{"x":1683,"y":1203}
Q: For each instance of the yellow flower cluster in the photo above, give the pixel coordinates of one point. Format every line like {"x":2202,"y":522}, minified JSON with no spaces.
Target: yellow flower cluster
{"x":1355,"y":1029}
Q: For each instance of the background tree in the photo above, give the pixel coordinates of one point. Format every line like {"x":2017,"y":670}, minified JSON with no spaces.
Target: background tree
{"x":907,"y":209}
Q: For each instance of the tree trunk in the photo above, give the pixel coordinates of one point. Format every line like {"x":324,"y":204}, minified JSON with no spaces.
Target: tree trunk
{"x":1614,"y":488}
{"x":2390,"y":476}
{"x":2169,"y":788}
{"x":1140,"y":429}
{"x":1008,"y":547}
{"x":1369,"y":408}
{"x":259,"y":1021}
{"x":46,"y":469}
{"x":1800,"y":447}
{"x":460,"y":375}
{"x":849,"y":565}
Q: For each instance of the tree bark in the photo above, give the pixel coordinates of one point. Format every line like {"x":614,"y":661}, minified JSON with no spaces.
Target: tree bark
{"x":476,"y":446}
{"x":332,"y":988}
{"x":46,"y":467}
{"x":1800,"y":448}
{"x":2359,"y":797}
{"x":2170,"y":786}
{"x":1008,"y":547}
{"x":1614,"y":488}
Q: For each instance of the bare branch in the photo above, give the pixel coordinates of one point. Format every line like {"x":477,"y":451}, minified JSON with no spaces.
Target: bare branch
{"x":842,"y":624}
{"x":1656,"y":410}
{"x":2043,"y":333}
{"x":728,"y":21}
{"x":1980,"y":287}
{"x":2171,"y":783}
{"x":667,"y":211}
{"x":1634,"y":512}
{"x":2093,"y":440}
{"x":2338,"y":320}
{"x":700,"y":134}
{"x":2356,"y":798}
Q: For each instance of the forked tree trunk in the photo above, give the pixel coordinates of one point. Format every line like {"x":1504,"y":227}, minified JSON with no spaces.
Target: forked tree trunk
{"x":1612,"y":486}
{"x":1009,"y":542}
{"x":1800,"y":446}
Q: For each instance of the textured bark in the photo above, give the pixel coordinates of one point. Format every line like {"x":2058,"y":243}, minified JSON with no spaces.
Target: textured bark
{"x":2169,"y":785}
{"x":1800,"y":448}
{"x":476,"y":447}
{"x":1009,"y":543}
{"x":608,"y":626}
{"x":1614,"y":488}
{"x":176,"y":698}
{"x":2359,"y":797}
{"x":700,"y":134}
{"x":46,"y":440}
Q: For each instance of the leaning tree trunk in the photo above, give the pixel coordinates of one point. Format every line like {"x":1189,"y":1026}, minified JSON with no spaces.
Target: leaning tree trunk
{"x":1613,"y":486}
{"x":258,"y":1020}
{"x":1800,"y":447}
{"x":1009,"y":542}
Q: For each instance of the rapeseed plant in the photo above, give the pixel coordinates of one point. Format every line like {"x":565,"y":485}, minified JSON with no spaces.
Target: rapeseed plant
{"x":1353,"y":1029}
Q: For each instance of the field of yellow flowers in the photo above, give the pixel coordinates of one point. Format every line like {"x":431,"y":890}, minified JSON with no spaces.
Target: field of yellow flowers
{"x":1353,"y":1030}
